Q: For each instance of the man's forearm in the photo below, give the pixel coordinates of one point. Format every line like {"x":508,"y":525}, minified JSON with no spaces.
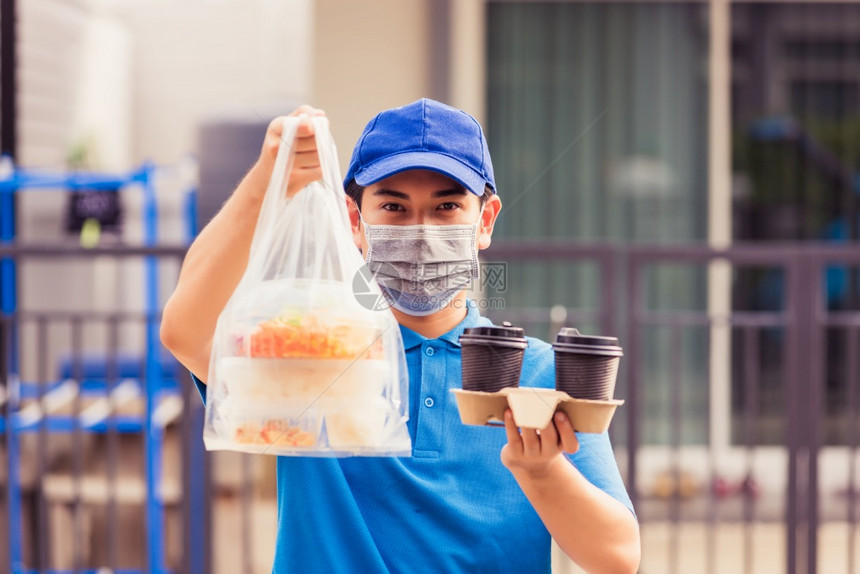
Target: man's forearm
{"x":213,"y":267}
{"x":218,"y":257}
{"x":596,"y":531}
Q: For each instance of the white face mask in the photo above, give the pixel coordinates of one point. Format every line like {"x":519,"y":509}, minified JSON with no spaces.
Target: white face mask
{"x":421,"y":268}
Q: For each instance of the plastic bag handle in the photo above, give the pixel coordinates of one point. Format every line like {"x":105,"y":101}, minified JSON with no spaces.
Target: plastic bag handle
{"x":332,"y":179}
{"x":276,"y":192}
{"x":275,"y":198}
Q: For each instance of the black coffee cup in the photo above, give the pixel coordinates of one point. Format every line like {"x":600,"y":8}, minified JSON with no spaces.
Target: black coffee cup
{"x":492,"y":357}
{"x":586,"y":366}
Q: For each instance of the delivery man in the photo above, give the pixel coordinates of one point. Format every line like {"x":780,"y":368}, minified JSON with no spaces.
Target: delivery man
{"x":469,"y":499}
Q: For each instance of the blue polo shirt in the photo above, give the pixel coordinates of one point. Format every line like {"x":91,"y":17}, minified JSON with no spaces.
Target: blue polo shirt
{"x":451,"y":507}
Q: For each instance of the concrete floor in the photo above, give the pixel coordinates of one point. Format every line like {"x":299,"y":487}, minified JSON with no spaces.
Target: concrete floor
{"x":735,"y":547}
{"x":229,"y":557}
{"x":688,"y":547}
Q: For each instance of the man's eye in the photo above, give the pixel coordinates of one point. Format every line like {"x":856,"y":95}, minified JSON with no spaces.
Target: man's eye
{"x":449,"y":205}
{"x":392,"y":207}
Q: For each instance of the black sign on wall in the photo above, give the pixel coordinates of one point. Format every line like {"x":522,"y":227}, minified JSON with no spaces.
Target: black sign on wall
{"x":103,"y":206}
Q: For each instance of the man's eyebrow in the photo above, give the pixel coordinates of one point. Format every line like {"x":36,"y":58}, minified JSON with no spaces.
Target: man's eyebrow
{"x":391,"y":193}
{"x":456,"y":191}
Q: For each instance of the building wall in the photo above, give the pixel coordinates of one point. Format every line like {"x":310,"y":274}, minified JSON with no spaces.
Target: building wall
{"x":196,"y":59}
{"x":50,"y":44}
{"x":368,"y":55}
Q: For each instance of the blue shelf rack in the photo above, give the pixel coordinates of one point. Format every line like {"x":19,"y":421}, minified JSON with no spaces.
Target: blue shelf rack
{"x":156,"y":376}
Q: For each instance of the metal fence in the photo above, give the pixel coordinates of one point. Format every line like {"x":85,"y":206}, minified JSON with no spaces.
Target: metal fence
{"x":761,"y":367}
{"x":104,"y":463}
{"x":742,"y":411}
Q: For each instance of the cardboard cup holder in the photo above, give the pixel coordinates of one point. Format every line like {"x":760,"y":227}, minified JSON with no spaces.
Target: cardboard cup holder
{"x":533,"y":407}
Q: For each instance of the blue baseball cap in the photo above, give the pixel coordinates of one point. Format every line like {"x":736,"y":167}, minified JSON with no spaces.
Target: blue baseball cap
{"x":423,"y":135}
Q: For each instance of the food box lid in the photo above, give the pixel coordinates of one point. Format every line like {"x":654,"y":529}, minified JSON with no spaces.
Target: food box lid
{"x":533,"y":407}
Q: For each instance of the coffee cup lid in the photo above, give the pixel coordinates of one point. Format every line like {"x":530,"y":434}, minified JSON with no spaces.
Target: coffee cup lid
{"x":505,"y":330}
{"x":571,"y":338}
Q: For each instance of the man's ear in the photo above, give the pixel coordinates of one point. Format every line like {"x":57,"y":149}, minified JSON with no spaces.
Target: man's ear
{"x":492,"y":207}
{"x":354,"y":221}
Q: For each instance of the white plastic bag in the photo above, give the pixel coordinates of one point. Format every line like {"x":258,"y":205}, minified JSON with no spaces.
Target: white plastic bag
{"x":303,"y":361}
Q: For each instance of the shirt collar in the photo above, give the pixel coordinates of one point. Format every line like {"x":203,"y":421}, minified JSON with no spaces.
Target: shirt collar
{"x":473,"y":319}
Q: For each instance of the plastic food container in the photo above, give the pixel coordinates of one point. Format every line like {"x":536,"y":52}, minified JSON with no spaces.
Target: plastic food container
{"x":301,"y":368}
{"x":251,"y":379}
{"x":271,"y":428}
{"x":356,"y":424}
{"x":315,"y":325}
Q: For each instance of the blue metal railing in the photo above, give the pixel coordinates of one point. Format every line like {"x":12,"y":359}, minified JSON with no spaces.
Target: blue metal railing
{"x":152,"y":376}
